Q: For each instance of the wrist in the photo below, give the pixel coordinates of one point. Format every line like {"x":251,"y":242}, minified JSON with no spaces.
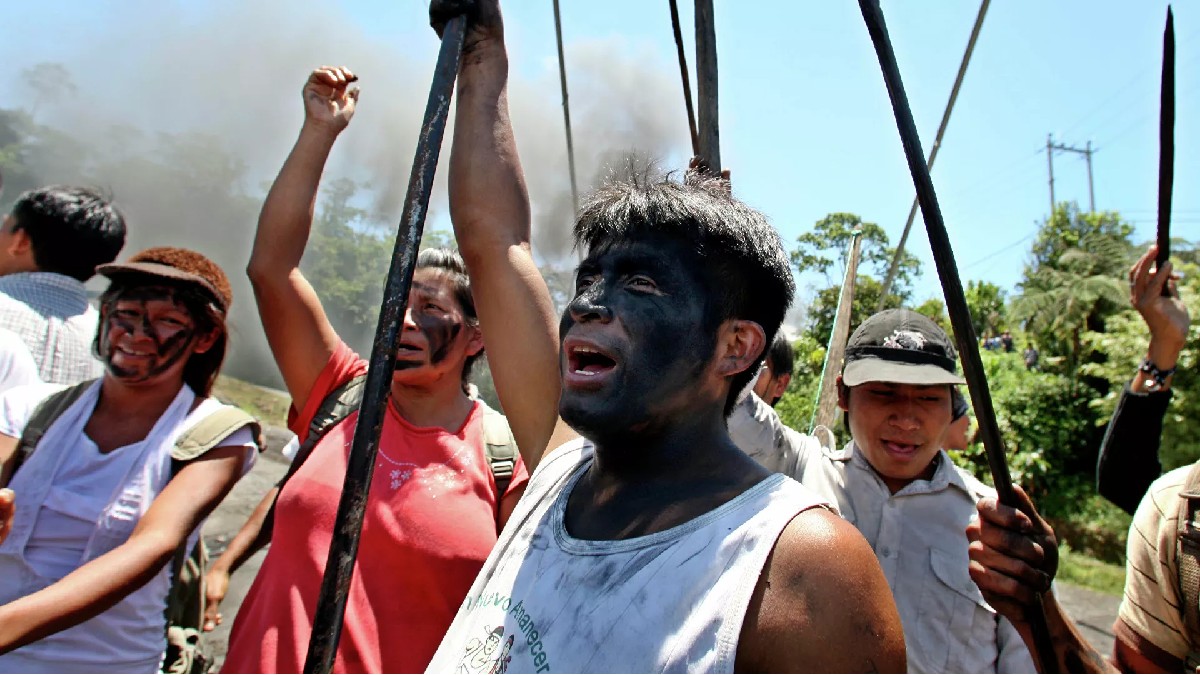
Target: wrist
{"x":319,"y":132}
{"x":1163,"y":354}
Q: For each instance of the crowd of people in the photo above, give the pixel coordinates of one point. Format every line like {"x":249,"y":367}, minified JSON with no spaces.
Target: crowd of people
{"x":638,"y":506}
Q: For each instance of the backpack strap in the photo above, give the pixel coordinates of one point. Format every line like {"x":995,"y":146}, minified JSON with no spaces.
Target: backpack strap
{"x":335,"y":407}
{"x":1188,"y":562}
{"x":44,"y":415}
{"x":211,"y":431}
{"x":500,"y":448}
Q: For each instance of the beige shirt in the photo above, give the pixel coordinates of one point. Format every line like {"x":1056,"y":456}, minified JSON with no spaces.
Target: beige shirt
{"x":1151,"y":607}
{"x":919,"y":537}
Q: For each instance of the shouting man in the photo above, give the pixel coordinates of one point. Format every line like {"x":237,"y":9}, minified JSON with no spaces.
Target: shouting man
{"x":652,"y":544}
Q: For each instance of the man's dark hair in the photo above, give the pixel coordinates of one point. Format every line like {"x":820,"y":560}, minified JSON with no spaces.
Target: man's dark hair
{"x":741,"y":259}
{"x":448,"y":261}
{"x":781,"y":357}
{"x":71,"y":229}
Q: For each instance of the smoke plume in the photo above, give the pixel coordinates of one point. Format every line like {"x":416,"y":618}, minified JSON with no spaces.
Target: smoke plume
{"x":181,"y":84}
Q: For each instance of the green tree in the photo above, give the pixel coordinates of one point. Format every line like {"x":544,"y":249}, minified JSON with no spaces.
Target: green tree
{"x":827,"y":245}
{"x":1073,"y":281}
{"x":986,"y":302}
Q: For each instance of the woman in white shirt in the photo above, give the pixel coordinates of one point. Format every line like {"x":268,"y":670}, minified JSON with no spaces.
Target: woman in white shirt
{"x":100,"y":506}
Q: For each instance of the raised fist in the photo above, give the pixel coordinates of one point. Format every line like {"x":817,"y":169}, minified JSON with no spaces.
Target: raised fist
{"x":329,"y":100}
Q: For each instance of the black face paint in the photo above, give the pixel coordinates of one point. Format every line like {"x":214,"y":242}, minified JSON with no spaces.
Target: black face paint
{"x":139,"y":311}
{"x":646,"y":308}
{"x":439,"y":327}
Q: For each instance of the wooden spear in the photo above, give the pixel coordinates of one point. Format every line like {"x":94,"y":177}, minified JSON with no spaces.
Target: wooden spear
{"x":331,"y":603}
{"x":683,"y":76}
{"x":1166,"y":145}
{"x":956,"y":302}
{"x":709,"y":140}
{"x":827,"y":398}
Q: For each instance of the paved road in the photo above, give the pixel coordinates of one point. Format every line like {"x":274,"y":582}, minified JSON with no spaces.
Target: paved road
{"x":1094,"y":612}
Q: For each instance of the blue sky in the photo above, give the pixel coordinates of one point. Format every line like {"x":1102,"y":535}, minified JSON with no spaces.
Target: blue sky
{"x":805,"y":122}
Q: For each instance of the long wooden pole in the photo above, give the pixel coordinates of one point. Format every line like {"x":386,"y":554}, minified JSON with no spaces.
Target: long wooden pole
{"x":683,"y":76}
{"x":890,"y":278}
{"x":706,"y":87}
{"x":562,"y":78}
{"x":956,"y":302}
{"x":343,"y":549}
{"x":827,"y":397}
{"x":1166,"y":143}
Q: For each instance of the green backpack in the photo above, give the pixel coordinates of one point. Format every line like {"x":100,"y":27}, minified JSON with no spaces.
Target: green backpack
{"x":185,"y":601}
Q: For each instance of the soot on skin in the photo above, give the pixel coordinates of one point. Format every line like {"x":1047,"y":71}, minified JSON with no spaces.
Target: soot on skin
{"x":130,"y":312}
{"x":667,"y":341}
{"x":439,"y":327}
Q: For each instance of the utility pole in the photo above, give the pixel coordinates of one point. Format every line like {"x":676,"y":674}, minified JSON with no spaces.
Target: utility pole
{"x":937,"y":144}
{"x":1086,"y":151}
{"x":1050,"y":163}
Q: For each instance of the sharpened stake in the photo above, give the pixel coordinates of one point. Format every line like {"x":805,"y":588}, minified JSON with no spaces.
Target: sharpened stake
{"x":1166,"y":143}
{"x":343,"y":549}
{"x":956,"y":302}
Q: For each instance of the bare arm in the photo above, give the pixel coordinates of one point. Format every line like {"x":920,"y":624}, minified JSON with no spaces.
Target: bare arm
{"x":489,"y":206}
{"x":821,"y":605}
{"x":255,"y":534}
{"x":95,"y":587}
{"x":297,"y":329}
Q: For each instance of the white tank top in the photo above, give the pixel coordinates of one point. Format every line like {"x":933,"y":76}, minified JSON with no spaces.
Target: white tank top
{"x":672,"y":601}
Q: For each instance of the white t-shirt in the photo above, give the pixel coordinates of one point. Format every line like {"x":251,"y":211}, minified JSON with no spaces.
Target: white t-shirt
{"x":82,"y":487}
{"x":17,"y":366}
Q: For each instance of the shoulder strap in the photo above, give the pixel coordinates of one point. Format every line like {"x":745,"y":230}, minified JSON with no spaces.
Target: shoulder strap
{"x":335,"y":407}
{"x":44,"y":415}
{"x":1188,"y":560}
{"x":211,"y":431}
{"x":500,"y":448}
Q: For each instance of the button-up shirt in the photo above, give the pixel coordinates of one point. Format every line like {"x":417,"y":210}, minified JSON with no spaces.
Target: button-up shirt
{"x":51,"y":314}
{"x":919,"y":537}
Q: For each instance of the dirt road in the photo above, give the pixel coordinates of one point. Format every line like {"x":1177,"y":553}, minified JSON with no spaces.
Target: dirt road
{"x":1094,"y":612}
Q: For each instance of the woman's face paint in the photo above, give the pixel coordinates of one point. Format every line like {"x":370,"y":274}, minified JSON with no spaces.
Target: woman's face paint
{"x":146,"y":332}
{"x":433,"y":324}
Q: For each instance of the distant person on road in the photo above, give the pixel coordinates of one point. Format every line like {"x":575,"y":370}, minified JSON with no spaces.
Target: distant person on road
{"x":1031,"y":357}
{"x":50,"y":244}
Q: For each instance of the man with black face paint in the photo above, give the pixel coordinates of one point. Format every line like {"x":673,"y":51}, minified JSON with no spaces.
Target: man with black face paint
{"x":897,"y":485}
{"x":652,"y":544}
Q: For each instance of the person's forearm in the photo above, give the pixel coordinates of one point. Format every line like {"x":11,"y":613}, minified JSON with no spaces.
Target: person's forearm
{"x":1073,"y":652}
{"x":1128,"y":462}
{"x":255,"y":533}
{"x":287,"y":213}
{"x":489,"y":203}
{"x":84,"y":593}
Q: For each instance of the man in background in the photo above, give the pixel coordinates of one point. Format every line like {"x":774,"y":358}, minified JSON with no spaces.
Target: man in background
{"x":50,"y":244}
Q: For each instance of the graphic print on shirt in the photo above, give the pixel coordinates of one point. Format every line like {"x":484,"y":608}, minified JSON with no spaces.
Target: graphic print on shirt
{"x":489,"y":651}
{"x":437,"y":478}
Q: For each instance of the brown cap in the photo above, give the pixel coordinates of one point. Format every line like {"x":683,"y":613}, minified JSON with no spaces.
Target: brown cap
{"x":175,"y":264}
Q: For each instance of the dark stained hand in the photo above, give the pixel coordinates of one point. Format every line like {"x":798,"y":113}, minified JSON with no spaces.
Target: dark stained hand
{"x":1014,"y":555}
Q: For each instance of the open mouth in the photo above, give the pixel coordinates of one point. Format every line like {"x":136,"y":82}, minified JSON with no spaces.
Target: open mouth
{"x":133,"y":353}
{"x":588,"y":362}
{"x":901,"y":449}
{"x":405,"y":350}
